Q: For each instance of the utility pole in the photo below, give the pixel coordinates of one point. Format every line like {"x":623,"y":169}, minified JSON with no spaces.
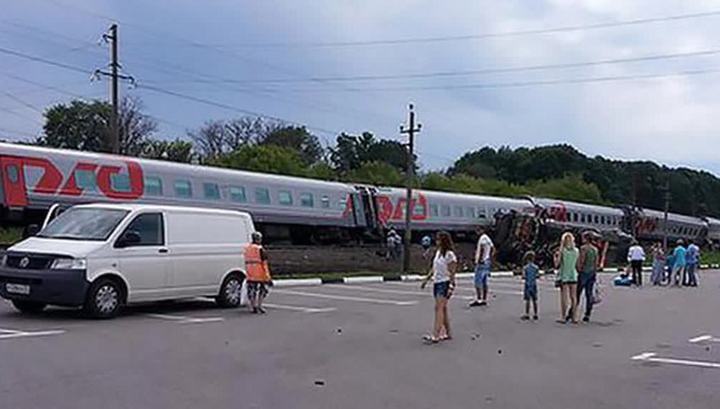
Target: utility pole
{"x":409,"y":173}
{"x":665,"y":217}
{"x":111,"y":37}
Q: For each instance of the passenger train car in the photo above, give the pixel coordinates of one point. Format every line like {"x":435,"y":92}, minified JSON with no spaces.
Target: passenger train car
{"x":295,"y":209}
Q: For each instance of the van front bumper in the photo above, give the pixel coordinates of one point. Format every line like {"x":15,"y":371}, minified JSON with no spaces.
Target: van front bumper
{"x":57,"y":287}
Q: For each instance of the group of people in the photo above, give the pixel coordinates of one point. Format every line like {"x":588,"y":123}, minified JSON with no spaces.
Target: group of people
{"x":680,"y":266}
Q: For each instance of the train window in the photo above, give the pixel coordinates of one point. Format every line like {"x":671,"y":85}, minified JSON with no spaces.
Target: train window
{"x":481,"y":213}
{"x":211,"y":190}
{"x":120,"y":182}
{"x":458,"y":211}
{"x":85,"y":179}
{"x":325,"y":202}
{"x":262,"y":195}
{"x":445,"y":211}
{"x":237,"y":194}
{"x":183,"y":188}
{"x":419,"y":210}
{"x":13,"y":174}
{"x":306,"y":200}
{"x":153,"y":186}
{"x":285,"y":198}
{"x":596,"y":218}
{"x":434,"y":211}
{"x":602,"y":219}
{"x":342,"y":203}
{"x":470,"y":212}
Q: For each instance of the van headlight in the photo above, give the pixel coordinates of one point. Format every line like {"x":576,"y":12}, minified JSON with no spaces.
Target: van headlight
{"x":69,"y":264}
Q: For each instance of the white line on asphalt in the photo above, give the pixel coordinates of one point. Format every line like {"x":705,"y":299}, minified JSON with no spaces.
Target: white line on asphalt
{"x":458,"y":288}
{"x":385,"y":290}
{"x":167,"y":317}
{"x":345,"y":298}
{"x":651,"y":357}
{"x":201,"y":320}
{"x":298,"y":308}
{"x":9,"y":333}
{"x":703,"y":338}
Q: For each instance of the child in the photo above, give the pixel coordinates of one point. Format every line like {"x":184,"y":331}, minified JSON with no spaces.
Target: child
{"x":530,"y":274}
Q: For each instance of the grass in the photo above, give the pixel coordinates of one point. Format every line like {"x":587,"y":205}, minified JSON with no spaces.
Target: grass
{"x":10,"y":235}
{"x":710,"y":257}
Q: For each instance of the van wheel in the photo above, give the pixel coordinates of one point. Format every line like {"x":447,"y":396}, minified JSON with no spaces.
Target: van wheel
{"x":230,"y":292}
{"x":29,"y":307}
{"x":104,"y":299}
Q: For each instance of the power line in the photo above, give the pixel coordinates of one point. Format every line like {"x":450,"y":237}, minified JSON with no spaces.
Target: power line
{"x":44,"y":60}
{"x":22,"y":102}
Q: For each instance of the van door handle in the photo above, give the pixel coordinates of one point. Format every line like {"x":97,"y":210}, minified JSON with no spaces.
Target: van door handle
{"x":163,"y":251}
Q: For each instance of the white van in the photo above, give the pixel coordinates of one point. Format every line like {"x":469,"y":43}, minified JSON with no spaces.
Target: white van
{"x":103,"y":256}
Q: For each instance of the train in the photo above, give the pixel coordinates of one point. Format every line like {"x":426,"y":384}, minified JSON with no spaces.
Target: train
{"x":301,"y":210}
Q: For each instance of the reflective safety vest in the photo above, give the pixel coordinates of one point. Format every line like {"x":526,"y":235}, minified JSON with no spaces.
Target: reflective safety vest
{"x":257,"y":268}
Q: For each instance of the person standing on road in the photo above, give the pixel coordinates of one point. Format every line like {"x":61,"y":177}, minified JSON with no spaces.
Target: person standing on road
{"x":636,"y":257}
{"x":484,"y":254}
{"x":587,"y":266}
{"x":426,"y":243}
{"x":566,"y":262}
{"x":679,"y":261}
{"x":443,"y":276}
{"x":530,"y":292}
{"x":693,"y":260}
{"x":392,"y":245}
{"x":258,"y":273}
{"x":658,"y":267}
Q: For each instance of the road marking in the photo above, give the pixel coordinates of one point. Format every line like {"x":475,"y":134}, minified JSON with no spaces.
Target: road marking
{"x":420,"y":293}
{"x":345,"y":298}
{"x":11,"y":333}
{"x":298,"y":308}
{"x":652,"y":357}
{"x":185,"y":320}
{"x":458,"y":288}
{"x":167,"y":317}
{"x":703,"y":338}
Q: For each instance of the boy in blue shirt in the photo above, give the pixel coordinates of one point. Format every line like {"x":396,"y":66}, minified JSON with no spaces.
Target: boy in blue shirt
{"x":679,"y":261}
{"x":530,"y":275}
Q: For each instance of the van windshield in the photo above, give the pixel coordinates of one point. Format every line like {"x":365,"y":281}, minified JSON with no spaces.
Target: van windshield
{"x":84,"y":224}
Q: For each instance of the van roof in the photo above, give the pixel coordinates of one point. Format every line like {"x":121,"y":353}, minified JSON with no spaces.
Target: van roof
{"x":134,"y":207}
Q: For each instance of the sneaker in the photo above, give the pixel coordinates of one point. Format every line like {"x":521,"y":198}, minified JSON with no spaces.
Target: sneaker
{"x":586,"y":318}
{"x":483,"y":302}
{"x":535,"y":317}
{"x":254,"y":310}
{"x":262,"y":310}
{"x":475,"y":303}
{"x":525,"y":317}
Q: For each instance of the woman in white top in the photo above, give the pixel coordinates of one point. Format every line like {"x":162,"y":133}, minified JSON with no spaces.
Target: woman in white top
{"x":443,"y":276}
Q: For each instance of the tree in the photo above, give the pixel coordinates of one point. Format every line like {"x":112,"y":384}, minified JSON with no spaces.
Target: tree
{"x":350,"y":152}
{"x":263,"y":158}
{"x":85,"y":125}
{"x":174,"y":151}
{"x":298,"y":139}
{"x":571,"y":187}
{"x":376,"y":173}
{"x":210,"y":140}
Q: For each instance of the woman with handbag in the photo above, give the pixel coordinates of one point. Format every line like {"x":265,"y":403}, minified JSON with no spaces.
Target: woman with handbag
{"x":566,"y":261}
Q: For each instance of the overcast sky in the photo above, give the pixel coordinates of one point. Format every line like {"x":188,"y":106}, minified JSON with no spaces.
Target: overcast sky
{"x":300,"y":61}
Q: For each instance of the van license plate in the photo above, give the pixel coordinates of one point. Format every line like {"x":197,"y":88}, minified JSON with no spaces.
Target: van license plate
{"x":17,"y":288}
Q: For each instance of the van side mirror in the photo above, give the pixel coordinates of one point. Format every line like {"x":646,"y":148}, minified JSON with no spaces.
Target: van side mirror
{"x":30,"y":231}
{"x":130,"y":238}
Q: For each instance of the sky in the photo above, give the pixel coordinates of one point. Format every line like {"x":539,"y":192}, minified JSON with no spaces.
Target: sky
{"x":631,"y":79}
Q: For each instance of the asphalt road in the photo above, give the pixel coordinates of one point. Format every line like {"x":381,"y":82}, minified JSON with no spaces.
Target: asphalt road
{"x":359,"y":346}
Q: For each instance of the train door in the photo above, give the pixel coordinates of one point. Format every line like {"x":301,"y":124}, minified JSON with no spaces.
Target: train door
{"x":367,"y":207}
{"x":13,"y":183}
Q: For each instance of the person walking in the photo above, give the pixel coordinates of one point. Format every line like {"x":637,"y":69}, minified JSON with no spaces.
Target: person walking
{"x":426,"y":243}
{"x":587,"y":265}
{"x":393,"y":242}
{"x":443,"y":275}
{"x":566,"y":262}
{"x":258,"y":273}
{"x":484,"y":254}
{"x":658,"y":267}
{"x":679,"y":261}
{"x":530,"y":292}
{"x":692,"y":257}
{"x":636,"y":258}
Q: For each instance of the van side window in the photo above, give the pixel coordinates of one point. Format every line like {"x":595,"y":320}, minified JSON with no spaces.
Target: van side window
{"x":211,"y":190}
{"x":306,"y":200}
{"x":183,"y":188}
{"x":85,"y":179}
{"x":325,"y":202}
{"x":285,"y":198}
{"x":149,"y":227}
{"x":262,"y":195}
{"x":237,"y":194}
{"x":153,"y":186}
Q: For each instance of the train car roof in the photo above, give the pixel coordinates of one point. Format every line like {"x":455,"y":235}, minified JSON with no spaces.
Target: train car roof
{"x":452,"y":195}
{"x":169,"y":166}
{"x":672,"y":216}
{"x":544,"y":202}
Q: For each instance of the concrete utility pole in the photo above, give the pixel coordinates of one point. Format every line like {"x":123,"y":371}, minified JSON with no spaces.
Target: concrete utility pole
{"x":409,"y":173}
{"x":665,"y":217}
{"x":111,"y":37}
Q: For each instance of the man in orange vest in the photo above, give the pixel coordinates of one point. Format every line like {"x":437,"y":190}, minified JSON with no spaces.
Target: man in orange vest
{"x":258,"y":273}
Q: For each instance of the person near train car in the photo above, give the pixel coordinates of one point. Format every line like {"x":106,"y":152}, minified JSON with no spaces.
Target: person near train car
{"x":658,"y":266}
{"x":258,"y":273}
{"x":530,"y":292}
{"x":587,"y":266}
{"x":679,"y":261}
{"x":566,"y":262}
{"x":636,"y":258}
{"x":443,"y":275}
{"x":484,"y":254}
{"x":393,"y":242}
{"x":692,"y":257}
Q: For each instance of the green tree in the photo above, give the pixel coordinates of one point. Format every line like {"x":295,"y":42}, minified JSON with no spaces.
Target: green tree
{"x":376,"y":173}
{"x":350,"y":152}
{"x":264,"y":158}
{"x":298,"y":139}
{"x":571,"y":187}
{"x":174,"y":151}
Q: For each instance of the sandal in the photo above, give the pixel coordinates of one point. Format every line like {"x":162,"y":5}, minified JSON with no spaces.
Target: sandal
{"x":445,"y":338}
{"x":429,"y":339}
